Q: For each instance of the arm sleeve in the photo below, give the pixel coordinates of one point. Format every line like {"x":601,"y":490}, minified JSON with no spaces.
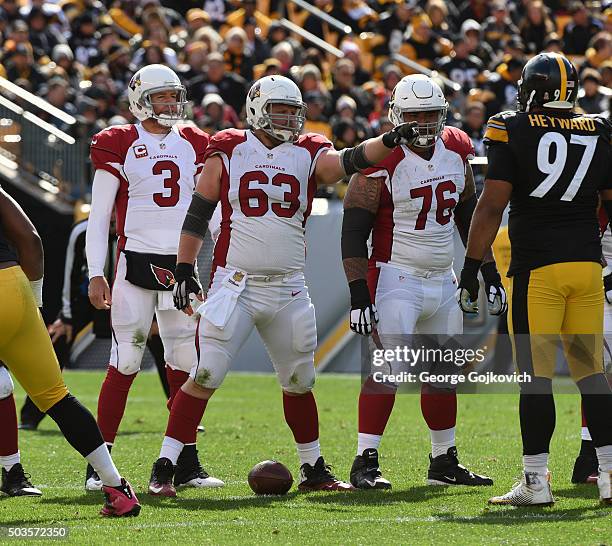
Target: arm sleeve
{"x":502,"y":163}
{"x":103,"y":193}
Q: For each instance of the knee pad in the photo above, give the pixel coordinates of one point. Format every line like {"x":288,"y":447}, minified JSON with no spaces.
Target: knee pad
{"x":214,"y":359}
{"x":301,"y":379}
{"x":6,"y":383}
{"x":304,"y":330}
{"x":183,"y":355}
{"x":127,"y":358}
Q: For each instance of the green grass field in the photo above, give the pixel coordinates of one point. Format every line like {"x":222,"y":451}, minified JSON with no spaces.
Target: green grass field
{"x":244,"y":425}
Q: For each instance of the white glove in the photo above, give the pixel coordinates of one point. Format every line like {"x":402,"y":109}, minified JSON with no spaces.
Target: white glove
{"x":363,"y":320}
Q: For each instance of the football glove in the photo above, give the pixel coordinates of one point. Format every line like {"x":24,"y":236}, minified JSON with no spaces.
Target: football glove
{"x":185,"y":283}
{"x":363,"y":317}
{"x":494,"y":289}
{"x":467,"y":292}
{"x":405,"y":133}
{"x":607,"y":282}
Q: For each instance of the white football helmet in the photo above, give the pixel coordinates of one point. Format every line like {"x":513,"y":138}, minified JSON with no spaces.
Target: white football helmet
{"x":419,"y":93}
{"x":275,"y":90}
{"x":152,"y":79}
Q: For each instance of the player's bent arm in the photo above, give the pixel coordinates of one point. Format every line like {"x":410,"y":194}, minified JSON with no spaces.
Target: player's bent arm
{"x":201,"y":209}
{"x":487,"y":217}
{"x":333,"y":166}
{"x":103,"y":194}
{"x":23,"y":236}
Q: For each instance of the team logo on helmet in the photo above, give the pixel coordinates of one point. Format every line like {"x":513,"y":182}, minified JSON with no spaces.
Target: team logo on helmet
{"x":135,"y":82}
{"x":165,"y":277}
{"x":255,"y":91}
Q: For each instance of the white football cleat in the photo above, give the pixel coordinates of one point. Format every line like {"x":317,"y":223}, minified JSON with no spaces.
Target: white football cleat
{"x":93,"y":482}
{"x":203,"y":480}
{"x":532,"y":490}
{"x":604,"y":483}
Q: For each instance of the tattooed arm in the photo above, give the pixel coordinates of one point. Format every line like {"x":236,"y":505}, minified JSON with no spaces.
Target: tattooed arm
{"x":360,"y":208}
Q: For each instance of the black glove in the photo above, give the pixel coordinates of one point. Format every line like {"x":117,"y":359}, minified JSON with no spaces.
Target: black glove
{"x":467,"y":292}
{"x":497,"y":301}
{"x":185,"y":283}
{"x":607,"y":281}
{"x":363,"y":315}
{"x":405,"y":133}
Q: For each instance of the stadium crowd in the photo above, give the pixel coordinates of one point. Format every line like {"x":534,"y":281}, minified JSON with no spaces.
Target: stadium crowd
{"x":80,"y":55}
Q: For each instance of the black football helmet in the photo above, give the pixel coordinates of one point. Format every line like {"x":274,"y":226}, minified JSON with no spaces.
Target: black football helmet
{"x":548,"y":80}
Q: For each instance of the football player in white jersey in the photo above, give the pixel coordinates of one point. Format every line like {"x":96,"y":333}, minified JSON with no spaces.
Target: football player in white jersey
{"x":146,"y":172}
{"x":265,"y":179}
{"x":420,"y":193}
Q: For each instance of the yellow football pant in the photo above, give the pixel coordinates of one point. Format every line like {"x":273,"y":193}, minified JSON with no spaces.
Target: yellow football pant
{"x":562,"y":301}
{"x":25,"y":346}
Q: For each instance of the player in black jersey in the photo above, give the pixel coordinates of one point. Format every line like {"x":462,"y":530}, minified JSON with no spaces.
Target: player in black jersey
{"x":25,"y":348}
{"x":553,"y":165}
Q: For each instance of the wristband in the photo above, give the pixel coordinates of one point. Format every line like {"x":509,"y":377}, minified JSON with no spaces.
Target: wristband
{"x":37,"y":287}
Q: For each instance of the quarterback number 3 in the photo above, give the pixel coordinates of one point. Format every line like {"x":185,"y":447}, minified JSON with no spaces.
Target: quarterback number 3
{"x":554,"y":169}
{"x":171,"y":183}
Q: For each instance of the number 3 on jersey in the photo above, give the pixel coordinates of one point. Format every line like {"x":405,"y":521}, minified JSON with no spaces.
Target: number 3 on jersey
{"x":170,"y":182}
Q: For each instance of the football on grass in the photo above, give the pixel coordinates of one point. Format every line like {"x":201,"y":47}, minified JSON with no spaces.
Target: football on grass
{"x":270,"y":478}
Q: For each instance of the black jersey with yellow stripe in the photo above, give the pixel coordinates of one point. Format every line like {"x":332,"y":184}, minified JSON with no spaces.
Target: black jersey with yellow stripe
{"x":557,"y":163}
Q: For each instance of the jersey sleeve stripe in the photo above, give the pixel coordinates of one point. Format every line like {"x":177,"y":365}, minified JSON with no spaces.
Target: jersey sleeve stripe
{"x":563,"y":72}
{"x":499,"y":135}
{"x":497,"y":124}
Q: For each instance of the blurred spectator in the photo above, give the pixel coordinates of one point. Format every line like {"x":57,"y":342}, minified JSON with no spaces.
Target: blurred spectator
{"x":357,"y":14}
{"x":19,"y":64}
{"x":249,"y":9}
{"x":351,"y":51}
{"x":606,"y":73}
{"x":9,"y":10}
{"x":83,"y":41}
{"x":192,"y":70}
{"x":498,"y":28}
{"x":63,"y":57}
{"x":196,"y":19}
{"x":394,"y":24}
{"x":231,"y":87}
{"x":277,"y":33}
{"x":118,"y":60}
{"x":579,"y":31}
{"x":472,"y":30}
{"x":474,"y":9}
{"x":420,"y":43}
{"x":316,"y":121}
{"x":103,"y":101}
{"x":345,"y":134}
{"x":590,"y":98}
{"x":87,"y":116}
{"x":216,"y":9}
{"x":536,"y":25}
{"x":599,"y":51}
{"x":214,"y":115}
{"x":344,"y":84}
{"x":259,"y":49}
{"x":314,"y":24}
{"x":504,"y":84}
{"x":107,"y":39}
{"x":474,"y":125}
{"x":460,"y":66}
{"x":283,"y":53}
{"x":346,"y":109}
{"x":392,"y":74}
{"x":437,"y":11}
{"x":553,"y":43}
{"x":43,"y":37}
{"x":271,"y":67}
{"x":237,"y":54}
{"x":57,"y":93}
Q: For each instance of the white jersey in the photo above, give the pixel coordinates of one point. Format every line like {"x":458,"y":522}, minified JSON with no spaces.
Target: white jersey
{"x":266,"y":198}
{"x":156,"y":182}
{"x":414,"y":224}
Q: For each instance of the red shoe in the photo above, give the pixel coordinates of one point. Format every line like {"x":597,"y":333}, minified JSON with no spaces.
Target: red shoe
{"x":120,"y":501}
{"x":320,"y":478}
{"x":160,"y":483}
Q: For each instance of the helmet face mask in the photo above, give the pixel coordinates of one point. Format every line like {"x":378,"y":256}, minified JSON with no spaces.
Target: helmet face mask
{"x":413,"y":95}
{"x":279,"y":123}
{"x":150,"y":80}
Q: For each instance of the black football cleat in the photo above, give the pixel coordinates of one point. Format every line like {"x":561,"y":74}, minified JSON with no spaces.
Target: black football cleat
{"x":189,"y":471}
{"x":365,"y":472}
{"x":586,"y":465}
{"x":16,"y":483}
{"x":320,"y":478}
{"x":160,"y":483}
{"x":446,"y":470}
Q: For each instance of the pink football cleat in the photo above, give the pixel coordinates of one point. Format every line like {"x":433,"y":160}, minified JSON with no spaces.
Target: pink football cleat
{"x":120,"y":501}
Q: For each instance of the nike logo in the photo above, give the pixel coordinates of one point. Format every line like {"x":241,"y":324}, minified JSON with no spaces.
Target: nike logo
{"x":155,"y":489}
{"x":293,"y":294}
{"x":94,"y":141}
{"x":450,"y":479}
